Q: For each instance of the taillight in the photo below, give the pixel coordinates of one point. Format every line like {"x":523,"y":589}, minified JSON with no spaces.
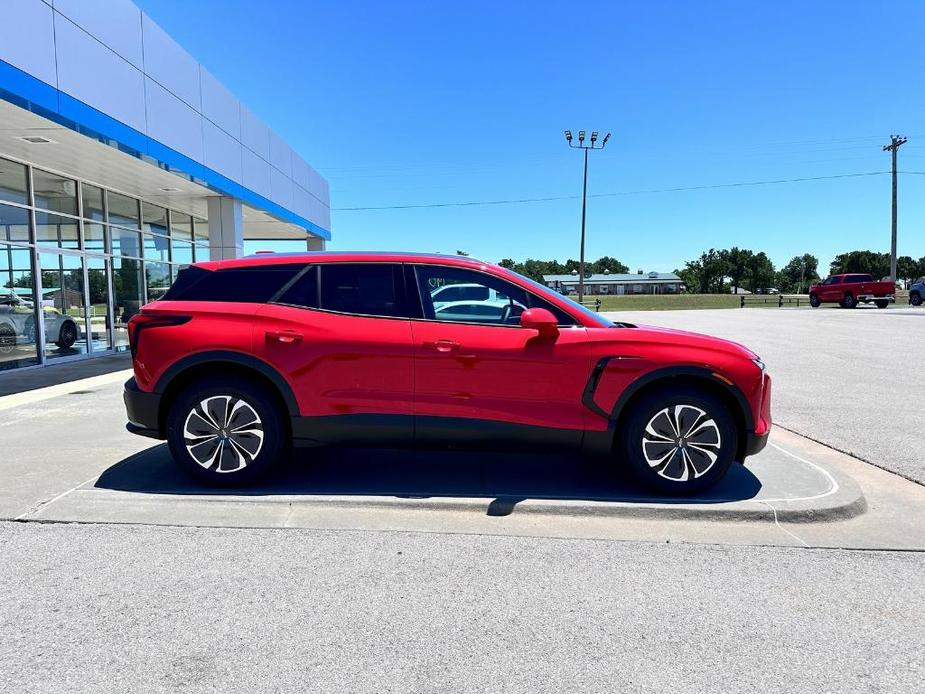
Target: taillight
{"x":143,"y":321}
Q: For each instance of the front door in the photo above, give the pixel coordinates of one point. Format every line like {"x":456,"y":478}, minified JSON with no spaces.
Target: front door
{"x":478,"y":372}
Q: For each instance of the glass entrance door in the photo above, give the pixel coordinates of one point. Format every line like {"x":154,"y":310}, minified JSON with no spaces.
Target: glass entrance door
{"x":63,"y":303}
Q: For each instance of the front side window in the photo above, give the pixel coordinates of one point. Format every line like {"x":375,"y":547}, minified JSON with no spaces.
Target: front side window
{"x":486,"y":299}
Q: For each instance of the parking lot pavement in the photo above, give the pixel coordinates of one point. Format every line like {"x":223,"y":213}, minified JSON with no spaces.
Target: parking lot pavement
{"x":852,"y":379}
{"x":135,"y":608}
{"x":91,"y":470}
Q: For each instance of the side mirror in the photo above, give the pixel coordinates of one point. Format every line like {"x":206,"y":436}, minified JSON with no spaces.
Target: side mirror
{"x":541,"y":320}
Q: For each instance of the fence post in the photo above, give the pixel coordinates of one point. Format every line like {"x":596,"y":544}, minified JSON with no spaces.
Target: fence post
{"x":780,"y":301}
{"x":742,"y":301}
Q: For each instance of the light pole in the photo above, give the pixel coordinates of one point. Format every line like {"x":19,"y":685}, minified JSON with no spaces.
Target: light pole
{"x":584,"y":197}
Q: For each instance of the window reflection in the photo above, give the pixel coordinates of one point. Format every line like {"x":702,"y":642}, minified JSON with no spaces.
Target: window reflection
{"x":63,"y":304}
{"x":13,"y":182}
{"x":53,"y":192}
{"x":128,"y":296}
{"x":17,"y":308}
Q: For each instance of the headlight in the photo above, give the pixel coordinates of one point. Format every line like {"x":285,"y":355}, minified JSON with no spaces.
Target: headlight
{"x":759,"y":364}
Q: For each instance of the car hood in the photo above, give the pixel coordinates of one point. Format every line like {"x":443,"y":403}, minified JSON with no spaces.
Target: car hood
{"x":651,"y":334}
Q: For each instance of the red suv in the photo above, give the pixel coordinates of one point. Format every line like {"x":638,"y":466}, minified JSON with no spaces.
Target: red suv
{"x":243,"y":359}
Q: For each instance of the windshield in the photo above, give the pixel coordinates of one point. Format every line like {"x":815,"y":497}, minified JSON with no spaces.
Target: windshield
{"x":574,"y":306}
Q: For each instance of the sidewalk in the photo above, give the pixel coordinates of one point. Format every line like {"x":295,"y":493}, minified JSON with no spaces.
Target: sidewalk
{"x":21,"y":381}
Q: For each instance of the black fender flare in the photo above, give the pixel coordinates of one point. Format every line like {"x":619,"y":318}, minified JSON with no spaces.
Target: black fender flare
{"x":214,"y":357}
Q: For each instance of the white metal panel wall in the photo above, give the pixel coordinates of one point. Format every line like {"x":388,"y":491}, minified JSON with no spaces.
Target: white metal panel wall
{"x":27,"y":38}
{"x":219,"y":105}
{"x":116,"y":23}
{"x":168,"y":64}
{"x":94,"y":74}
{"x":222,"y":152}
{"x":111,"y":56}
{"x":172,"y":121}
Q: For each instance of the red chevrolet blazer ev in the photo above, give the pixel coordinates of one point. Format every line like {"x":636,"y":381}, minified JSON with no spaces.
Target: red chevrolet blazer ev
{"x":243,"y":359}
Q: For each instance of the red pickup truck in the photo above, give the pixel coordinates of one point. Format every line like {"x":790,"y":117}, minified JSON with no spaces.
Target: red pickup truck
{"x":848,"y":289}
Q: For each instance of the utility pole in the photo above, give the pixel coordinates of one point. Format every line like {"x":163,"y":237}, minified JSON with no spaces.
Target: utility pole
{"x":896,"y":141}
{"x":584,"y":198}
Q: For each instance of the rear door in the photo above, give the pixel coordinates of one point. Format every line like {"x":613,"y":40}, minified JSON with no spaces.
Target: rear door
{"x":342,"y":338}
{"x":478,"y":373}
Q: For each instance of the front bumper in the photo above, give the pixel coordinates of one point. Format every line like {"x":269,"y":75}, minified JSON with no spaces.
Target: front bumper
{"x":755,"y":443}
{"x":142,"y":410}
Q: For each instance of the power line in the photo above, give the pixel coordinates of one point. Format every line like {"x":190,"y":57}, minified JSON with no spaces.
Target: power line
{"x":517,"y":201}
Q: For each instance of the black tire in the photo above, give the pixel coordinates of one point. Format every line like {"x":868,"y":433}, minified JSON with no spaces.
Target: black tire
{"x":849,"y":301}
{"x":236,"y":454}
{"x":915,"y":299}
{"x":67,"y":335}
{"x":693,"y":470}
{"x":882,"y":303}
{"x":814,"y":300}
{"x":7,"y":339}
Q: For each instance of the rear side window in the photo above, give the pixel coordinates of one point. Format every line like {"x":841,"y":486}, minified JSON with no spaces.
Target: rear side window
{"x":369,"y":289}
{"x":859,"y":278}
{"x":257,"y":284}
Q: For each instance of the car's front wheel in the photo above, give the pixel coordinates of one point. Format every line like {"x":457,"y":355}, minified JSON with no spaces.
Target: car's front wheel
{"x":67,"y":336}
{"x":226,"y":432}
{"x":679,"y":441}
{"x":814,"y":300}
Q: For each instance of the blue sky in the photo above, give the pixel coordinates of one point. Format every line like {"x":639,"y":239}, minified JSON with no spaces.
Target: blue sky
{"x":409,"y":103}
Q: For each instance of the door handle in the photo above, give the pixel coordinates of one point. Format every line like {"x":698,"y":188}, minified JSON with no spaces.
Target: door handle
{"x":284,"y":336}
{"x":442,"y":346}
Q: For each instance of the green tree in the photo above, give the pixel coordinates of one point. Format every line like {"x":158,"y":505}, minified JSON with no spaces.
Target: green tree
{"x":867,"y":262}
{"x":760,"y":271}
{"x":707,"y":274}
{"x":799,"y":273}
{"x":607,"y":263}
{"x":738,"y":263}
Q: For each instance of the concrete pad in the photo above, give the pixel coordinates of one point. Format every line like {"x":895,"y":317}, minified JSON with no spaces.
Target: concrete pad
{"x":778,"y":485}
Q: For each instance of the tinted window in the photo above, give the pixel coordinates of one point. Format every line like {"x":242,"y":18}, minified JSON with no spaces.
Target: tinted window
{"x":502,"y":302}
{"x":859,"y":278}
{"x":247,"y":285}
{"x":304,"y":292}
{"x":369,"y":289}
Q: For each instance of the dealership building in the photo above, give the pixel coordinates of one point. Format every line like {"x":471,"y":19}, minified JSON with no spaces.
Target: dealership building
{"x":122,"y":159}
{"x":617,"y":283}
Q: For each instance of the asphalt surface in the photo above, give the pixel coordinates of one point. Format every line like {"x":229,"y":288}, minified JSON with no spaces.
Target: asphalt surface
{"x":133,"y":608}
{"x":852,"y":379}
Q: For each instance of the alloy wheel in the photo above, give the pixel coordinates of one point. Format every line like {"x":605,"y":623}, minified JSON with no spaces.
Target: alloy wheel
{"x":223,"y":433}
{"x":681,"y":442}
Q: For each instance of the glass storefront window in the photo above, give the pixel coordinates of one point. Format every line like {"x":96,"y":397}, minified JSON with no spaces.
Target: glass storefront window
{"x":14,"y":182}
{"x":17,"y":308}
{"x":94,"y":237}
{"x":125,"y":242}
{"x":200,"y":230}
{"x":53,"y":192}
{"x":182,"y":252}
{"x":154,"y":218}
{"x":92,"y":202}
{"x":63,"y":304}
{"x":181,"y":226}
{"x":128,"y":296}
{"x":100,"y":318}
{"x":157,"y":276}
{"x":156,"y":247}
{"x":14,"y":224}
{"x":123,"y":210}
{"x":55,"y":230}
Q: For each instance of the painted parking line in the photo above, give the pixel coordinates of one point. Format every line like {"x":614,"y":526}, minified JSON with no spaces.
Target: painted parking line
{"x":32,"y":396}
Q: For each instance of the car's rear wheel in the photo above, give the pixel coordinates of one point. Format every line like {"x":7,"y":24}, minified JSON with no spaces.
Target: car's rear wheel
{"x":679,"y":441}
{"x":849,"y":301}
{"x":67,"y":336}
{"x":226,"y":431}
{"x":814,"y":300}
{"x":882,"y":303}
{"x":915,"y":299}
